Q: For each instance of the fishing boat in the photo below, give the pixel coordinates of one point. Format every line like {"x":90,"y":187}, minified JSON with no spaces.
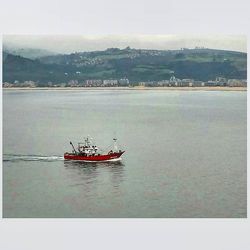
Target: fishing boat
{"x":88,"y":152}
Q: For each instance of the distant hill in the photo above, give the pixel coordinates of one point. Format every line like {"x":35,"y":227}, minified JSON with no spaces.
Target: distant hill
{"x":23,"y":69}
{"x":135,"y":64}
{"x":27,"y":52}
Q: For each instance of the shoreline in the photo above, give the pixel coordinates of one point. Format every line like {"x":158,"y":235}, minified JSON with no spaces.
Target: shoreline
{"x":131,"y":88}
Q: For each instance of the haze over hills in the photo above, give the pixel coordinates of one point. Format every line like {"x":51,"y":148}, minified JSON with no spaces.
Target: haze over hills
{"x":135,"y":64}
{"x":30,"y":53}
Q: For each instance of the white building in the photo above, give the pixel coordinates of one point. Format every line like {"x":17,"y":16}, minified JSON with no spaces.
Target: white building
{"x":163,"y":83}
{"x":186,"y":83}
{"x":93,"y":83}
{"x":110,"y":82}
{"x":174,"y":81}
{"x":123,"y":81}
{"x":236,"y":83}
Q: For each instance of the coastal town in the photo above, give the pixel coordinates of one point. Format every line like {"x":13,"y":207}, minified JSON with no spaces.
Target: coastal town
{"x":124,"y":82}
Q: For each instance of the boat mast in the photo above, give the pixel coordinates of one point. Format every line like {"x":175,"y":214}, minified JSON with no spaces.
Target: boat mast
{"x":115,"y":145}
{"x":87,"y":142}
{"x":73,"y":147}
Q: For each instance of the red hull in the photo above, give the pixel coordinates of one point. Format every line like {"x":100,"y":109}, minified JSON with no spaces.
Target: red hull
{"x":108,"y":157}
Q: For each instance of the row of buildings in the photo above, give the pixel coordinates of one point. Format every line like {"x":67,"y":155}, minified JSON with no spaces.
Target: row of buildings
{"x":172,"y":82}
{"x":72,"y":83}
{"x":99,"y":83}
{"x":175,"y":82}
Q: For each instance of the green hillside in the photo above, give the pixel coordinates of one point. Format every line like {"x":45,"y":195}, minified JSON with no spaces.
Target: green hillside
{"x":135,"y":64}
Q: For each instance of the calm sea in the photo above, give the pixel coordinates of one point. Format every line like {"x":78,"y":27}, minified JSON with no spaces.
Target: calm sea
{"x":186,"y":153}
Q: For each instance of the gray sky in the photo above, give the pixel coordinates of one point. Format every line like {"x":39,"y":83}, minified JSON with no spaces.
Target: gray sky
{"x":72,"y":43}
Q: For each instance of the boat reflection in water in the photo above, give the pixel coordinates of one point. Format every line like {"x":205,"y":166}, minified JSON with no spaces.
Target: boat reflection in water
{"x":88,"y":173}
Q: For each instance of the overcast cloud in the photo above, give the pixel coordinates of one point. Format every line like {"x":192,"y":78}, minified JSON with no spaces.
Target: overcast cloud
{"x":69,"y":43}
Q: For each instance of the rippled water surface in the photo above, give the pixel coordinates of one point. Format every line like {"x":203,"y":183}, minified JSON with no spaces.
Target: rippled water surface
{"x":185,"y":154}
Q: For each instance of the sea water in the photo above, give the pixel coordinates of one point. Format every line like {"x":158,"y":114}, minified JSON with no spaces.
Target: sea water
{"x":186,"y":153}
